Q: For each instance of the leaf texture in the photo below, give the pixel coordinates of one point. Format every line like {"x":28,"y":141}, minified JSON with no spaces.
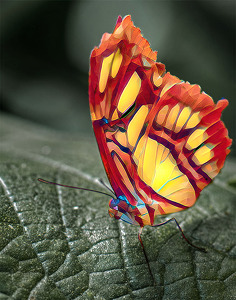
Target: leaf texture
{"x":58,"y":243}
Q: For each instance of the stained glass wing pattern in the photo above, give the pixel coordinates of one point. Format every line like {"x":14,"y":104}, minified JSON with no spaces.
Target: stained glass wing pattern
{"x":161,"y":139}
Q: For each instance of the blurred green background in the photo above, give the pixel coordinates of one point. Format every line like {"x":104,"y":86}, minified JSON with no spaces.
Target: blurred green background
{"x":45,"y":48}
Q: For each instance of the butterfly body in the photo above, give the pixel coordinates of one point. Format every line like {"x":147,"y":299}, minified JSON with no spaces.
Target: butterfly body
{"x":161,"y":139}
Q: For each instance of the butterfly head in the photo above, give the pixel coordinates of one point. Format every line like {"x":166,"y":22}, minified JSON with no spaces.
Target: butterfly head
{"x":120,"y":208}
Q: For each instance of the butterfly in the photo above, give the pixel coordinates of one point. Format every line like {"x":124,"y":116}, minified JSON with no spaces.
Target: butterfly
{"x":161,"y":139}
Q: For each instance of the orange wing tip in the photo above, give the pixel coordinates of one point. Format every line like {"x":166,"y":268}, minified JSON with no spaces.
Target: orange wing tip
{"x":192,"y":96}
{"x":125,"y":31}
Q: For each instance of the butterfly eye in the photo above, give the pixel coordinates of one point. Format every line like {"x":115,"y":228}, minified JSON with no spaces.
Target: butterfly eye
{"x":128,"y":111}
{"x":113,"y":203}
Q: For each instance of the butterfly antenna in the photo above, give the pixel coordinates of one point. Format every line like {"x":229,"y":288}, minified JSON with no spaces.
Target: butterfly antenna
{"x":106,"y":186}
{"x":73,"y":187}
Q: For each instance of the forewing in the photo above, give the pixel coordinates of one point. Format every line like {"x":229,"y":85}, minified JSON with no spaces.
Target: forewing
{"x":161,"y":140}
{"x":123,"y":77}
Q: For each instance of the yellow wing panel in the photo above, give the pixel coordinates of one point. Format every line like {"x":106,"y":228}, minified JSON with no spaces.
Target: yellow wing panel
{"x":129,"y":93}
{"x":183,"y":117}
{"x":157,"y":168}
{"x":193,"y":120}
{"x":116,"y":63}
{"x":203,"y":154}
{"x":105,"y":71}
{"x":160,"y":118}
{"x":136,"y":125}
{"x":148,"y":165}
{"x":196,"y":138}
{"x":171,"y":119}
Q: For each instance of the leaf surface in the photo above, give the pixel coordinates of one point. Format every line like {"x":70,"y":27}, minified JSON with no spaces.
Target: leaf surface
{"x":58,"y":243}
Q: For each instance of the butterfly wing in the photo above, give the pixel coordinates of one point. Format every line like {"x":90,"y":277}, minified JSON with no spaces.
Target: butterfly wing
{"x":161,"y":140}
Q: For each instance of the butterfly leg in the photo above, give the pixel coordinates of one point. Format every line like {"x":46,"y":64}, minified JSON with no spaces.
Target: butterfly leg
{"x":183,"y":235}
{"x":144,"y":252}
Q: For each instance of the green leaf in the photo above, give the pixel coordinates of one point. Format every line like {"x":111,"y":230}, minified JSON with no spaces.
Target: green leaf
{"x":58,"y":243}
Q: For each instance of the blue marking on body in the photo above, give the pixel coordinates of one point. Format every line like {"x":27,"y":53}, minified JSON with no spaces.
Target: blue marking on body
{"x":139,"y":205}
{"x":105,"y":120}
{"x":123,"y":198}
